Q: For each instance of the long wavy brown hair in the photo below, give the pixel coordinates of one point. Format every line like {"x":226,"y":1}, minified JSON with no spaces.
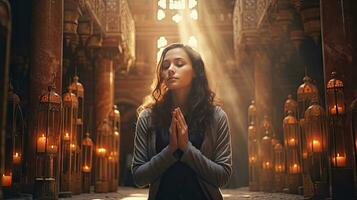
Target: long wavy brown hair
{"x":200,"y":102}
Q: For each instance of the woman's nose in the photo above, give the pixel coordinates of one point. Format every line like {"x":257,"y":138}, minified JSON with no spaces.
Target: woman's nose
{"x":171,"y":69}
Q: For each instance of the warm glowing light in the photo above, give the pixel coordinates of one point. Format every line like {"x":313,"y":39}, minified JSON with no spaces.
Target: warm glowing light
{"x":252,"y":159}
{"x":6,"y":180}
{"x":194,"y":14}
{"x":294,"y":169}
{"x":177,"y":4}
{"x":339,"y":109}
{"x":161,"y":42}
{"x":101,"y":152}
{"x":193,"y":42}
{"x":316,"y":146}
{"x":86,"y":168}
{"x":304,"y":155}
{"x":16,"y":158}
{"x":162,"y":3}
{"x":116,"y":133}
{"x":292,"y":142}
{"x":41,"y":143}
{"x":339,"y":161}
{"x":177,"y":18}
{"x":279,"y":168}
{"x":160,"y":14}
{"x":53,"y":149}
{"x":192,"y":3}
{"x":73,"y":147}
{"x":66,"y":137}
{"x":266,"y":165}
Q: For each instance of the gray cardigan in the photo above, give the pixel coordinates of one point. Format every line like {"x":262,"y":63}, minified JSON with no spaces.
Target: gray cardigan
{"x":212,"y":163}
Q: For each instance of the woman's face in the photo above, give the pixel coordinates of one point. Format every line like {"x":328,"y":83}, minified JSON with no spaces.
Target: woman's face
{"x":177,"y":70}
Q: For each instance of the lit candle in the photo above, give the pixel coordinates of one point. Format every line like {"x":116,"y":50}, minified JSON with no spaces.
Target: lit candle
{"x":304,"y":155}
{"x":41,"y":143}
{"x":66,"y":137}
{"x":73,"y":147}
{"x":116,"y":133}
{"x":86,"y":168}
{"x":339,"y":161}
{"x":294,"y":169}
{"x":6,"y":180}
{"x":292,"y":142}
{"x":52,"y":149}
{"x":101,"y":152}
{"x":266,"y":165}
{"x":339,"y":109}
{"x":252,"y":159}
{"x":316,"y":146}
{"x":16,"y":158}
{"x":279,"y":168}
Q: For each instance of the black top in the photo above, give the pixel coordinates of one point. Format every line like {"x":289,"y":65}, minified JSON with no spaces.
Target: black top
{"x":179,"y":181}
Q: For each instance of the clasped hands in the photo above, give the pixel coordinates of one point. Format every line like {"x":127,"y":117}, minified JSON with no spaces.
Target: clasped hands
{"x":178,"y":131}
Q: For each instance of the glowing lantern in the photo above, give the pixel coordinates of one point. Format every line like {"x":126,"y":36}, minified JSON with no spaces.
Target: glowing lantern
{"x":102,"y":149}
{"x":253,"y":158}
{"x":87,"y":157}
{"x":317,"y":151}
{"x":47,"y":145}
{"x":69,"y":158}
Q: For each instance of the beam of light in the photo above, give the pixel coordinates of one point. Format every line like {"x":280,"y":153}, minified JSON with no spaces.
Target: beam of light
{"x":194,"y":14}
{"x":192,"y":4}
{"x":221,"y":65}
{"x":177,"y":18}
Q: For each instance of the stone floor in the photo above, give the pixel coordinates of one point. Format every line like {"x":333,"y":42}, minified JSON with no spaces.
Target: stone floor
{"x":128,"y":193}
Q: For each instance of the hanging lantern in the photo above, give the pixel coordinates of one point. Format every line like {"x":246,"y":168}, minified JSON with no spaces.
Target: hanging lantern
{"x":78,"y":90}
{"x":266,"y":159}
{"x":11,"y":178}
{"x":69,"y":158}
{"x":336,"y":110}
{"x":253,"y":158}
{"x":340,"y":150}
{"x":291,"y":105}
{"x":306,"y":94}
{"x":279,"y":168}
{"x":102,"y":149}
{"x":292,"y":140}
{"x":87,"y":156}
{"x":317,"y":149}
{"x":47,"y":145}
{"x":114,"y":117}
{"x":354,"y":126}
{"x":252,"y":113}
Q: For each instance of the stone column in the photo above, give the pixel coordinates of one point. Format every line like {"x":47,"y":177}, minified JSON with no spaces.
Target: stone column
{"x":104,"y":99}
{"x":45,"y":64}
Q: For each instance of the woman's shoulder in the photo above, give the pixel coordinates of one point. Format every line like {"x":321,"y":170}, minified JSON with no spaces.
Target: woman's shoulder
{"x":218,"y":112}
{"x":145,"y":113}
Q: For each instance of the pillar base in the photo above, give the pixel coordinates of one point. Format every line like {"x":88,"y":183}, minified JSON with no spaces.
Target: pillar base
{"x":101,"y":186}
{"x":45,"y":189}
{"x":113,"y":185}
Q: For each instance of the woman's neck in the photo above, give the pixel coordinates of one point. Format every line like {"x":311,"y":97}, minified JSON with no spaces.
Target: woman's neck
{"x":179,"y":98}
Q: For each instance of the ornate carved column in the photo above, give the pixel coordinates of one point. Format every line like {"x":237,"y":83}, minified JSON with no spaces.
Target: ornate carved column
{"x":46,"y":60}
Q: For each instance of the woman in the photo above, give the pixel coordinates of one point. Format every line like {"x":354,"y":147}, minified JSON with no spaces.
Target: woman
{"x":182,"y":146}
